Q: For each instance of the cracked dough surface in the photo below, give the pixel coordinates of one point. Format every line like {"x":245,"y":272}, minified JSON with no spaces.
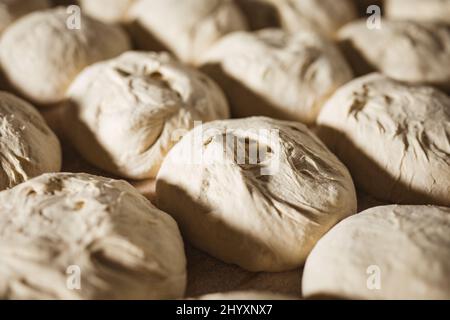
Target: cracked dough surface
{"x":260,"y":220}
{"x":417,"y":52}
{"x":421,"y":10}
{"x":274,"y":74}
{"x":124,"y":246}
{"x":126,"y":113}
{"x":11,"y":10}
{"x":189,"y":27}
{"x":394,"y":138}
{"x":405,"y":249}
{"x":28,"y":147}
{"x":41,"y":56}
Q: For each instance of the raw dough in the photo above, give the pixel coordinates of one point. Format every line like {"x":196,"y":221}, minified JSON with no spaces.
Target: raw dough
{"x":404,"y":50}
{"x":422,"y":10}
{"x":394,"y":138}
{"x":10,"y":10}
{"x":187,"y":27}
{"x":41,"y":56}
{"x":389,"y":252}
{"x":324,"y":16}
{"x":245,"y":295}
{"x":264,"y":213}
{"x":58,"y":226}
{"x":272,"y":73}
{"x":126,"y":113}
{"x":28,"y":147}
{"x":110,"y":11}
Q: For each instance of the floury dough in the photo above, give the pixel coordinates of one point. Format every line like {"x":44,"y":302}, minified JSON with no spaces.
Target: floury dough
{"x":275,"y":74}
{"x":59,"y":226}
{"x":41,"y":56}
{"x":388,"y":252}
{"x":126,"y":113}
{"x":187,"y":28}
{"x":11,"y":10}
{"x":324,"y":16}
{"x":404,"y":50}
{"x":28,"y":147}
{"x":421,"y":10}
{"x":110,"y":11}
{"x":262,"y":211}
{"x":394,"y":138}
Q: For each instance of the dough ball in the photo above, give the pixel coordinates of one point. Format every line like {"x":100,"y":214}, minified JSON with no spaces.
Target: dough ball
{"x":421,"y":10}
{"x":324,"y":16}
{"x":403,"y":50}
{"x":10,"y":10}
{"x":245,"y":295}
{"x":394,"y":138}
{"x":110,"y":11}
{"x":28,"y":147}
{"x":41,"y":55}
{"x":255,"y":192}
{"x":59,"y":226}
{"x":126,"y":113}
{"x":187,"y":28}
{"x":274,"y":74}
{"x":388,"y":252}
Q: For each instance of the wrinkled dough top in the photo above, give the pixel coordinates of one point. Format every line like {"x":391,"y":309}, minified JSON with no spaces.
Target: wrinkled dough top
{"x":124,"y":246}
{"x":136,"y":107}
{"x":27,"y":145}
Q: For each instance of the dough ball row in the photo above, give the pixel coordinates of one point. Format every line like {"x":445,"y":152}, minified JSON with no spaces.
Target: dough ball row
{"x":261,"y":123}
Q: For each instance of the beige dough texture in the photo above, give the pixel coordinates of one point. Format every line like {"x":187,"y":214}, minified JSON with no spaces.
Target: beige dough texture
{"x":263,"y":212}
{"x":126,"y":113}
{"x":110,"y":11}
{"x":57,"y":227}
{"x":187,"y":28}
{"x":41,"y":56}
{"x":393,"y":137}
{"x":324,"y":16}
{"x":28,"y":147}
{"x":11,"y":10}
{"x":421,"y":10}
{"x":245,"y":295}
{"x":404,"y":50}
{"x":388,"y":252}
{"x":274,"y":74}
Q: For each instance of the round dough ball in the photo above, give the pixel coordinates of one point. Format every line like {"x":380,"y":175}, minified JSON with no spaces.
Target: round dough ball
{"x":263,"y":210}
{"x":388,"y":252}
{"x":126,"y":113}
{"x":41,"y":55}
{"x":394,"y":138}
{"x":59,"y":226}
{"x":245,"y":295}
{"x":11,"y":10}
{"x":324,"y":16}
{"x":421,"y":10}
{"x":403,"y":50}
{"x":274,"y":74}
{"x":187,"y":28}
{"x":110,"y":11}
{"x":28,"y":147}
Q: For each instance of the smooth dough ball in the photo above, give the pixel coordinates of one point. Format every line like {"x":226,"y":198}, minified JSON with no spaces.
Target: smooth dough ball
{"x":58,"y":226}
{"x":110,"y":11}
{"x":41,"y":56}
{"x":274,"y":74}
{"x":394,"y":138}
{"x":188,"y":27}
{"x":324,"y":16}
{"x":28,"y":147}
{"x":403,"y":50}
{"x":11,"y":10}
{"x":388,"y":252}
{"x":255,"y":192}
{"x":421,"y":10}
{"x":245,"y":295}
{"x":126,"y":113}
